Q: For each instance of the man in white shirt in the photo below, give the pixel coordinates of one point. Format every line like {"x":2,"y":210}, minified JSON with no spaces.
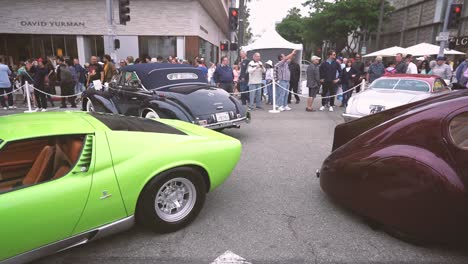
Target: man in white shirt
{"x":255,"y":70}
{"x":412,"y":69}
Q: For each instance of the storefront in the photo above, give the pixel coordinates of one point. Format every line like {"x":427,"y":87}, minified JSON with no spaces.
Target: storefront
{"x":77,"y":29}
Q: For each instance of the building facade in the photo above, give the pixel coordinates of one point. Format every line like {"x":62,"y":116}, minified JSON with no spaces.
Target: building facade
{"x":417,"y":21}
{"x":78,"y":28}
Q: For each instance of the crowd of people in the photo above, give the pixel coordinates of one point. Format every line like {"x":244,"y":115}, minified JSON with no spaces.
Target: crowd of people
{"x":249,"y":78}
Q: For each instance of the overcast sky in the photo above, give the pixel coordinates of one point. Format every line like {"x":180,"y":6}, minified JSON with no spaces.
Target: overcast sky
{"x":265,"y":13}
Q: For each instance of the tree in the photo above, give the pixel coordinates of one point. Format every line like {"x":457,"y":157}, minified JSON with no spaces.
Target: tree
{"x":344,"y":18}
{"x":247,"y":28}
{"x":292,"y":26}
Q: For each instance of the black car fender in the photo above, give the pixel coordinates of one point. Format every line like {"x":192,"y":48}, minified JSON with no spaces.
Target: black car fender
{"x":166,"y":109}
{"x":101,"y":101}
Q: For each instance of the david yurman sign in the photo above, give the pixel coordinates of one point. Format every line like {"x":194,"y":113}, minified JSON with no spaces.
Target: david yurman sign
{"x":51,"y":24}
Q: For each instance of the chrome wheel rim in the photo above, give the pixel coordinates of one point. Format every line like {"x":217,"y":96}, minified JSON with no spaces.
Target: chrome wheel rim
{"x":152,"y":114}
{"x":89,"y":106}
{"x":175,"y":199}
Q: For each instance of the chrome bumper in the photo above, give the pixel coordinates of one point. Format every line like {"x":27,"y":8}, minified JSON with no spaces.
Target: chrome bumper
{"x":350,"y":117}
{"x":230,"y":123}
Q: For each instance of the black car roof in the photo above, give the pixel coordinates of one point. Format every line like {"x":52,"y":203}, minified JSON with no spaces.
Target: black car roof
{"x":156,"y":75}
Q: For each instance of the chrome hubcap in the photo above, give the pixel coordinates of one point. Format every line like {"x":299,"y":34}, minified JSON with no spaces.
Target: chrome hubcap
{"x":152,"y":114}
{"x":89,"y":106}
{"x":175,"y":199}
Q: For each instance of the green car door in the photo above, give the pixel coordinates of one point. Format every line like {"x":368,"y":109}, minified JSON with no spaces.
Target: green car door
{"x":39,"y":214}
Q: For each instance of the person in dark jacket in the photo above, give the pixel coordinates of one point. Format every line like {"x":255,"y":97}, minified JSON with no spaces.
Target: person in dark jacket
{"x":244,"y":77}
{"x":40,"y":73}
{"x":401,"y":66}
{"x":330,"y":73}
{"x":224,"y":76}
{"x":67,"y":82}
{"x":295,"y":70}
{"x":359,"y":67}
{"x":51,"y":81}
{"x":347,"y":77}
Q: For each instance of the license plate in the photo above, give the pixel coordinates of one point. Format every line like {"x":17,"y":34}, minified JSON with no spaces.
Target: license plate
{"x":222,"y":117}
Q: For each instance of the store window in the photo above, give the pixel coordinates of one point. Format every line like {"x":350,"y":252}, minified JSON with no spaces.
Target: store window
{"x":154,"y":46}
{"x":20,"y":47}
{"x":93,"y":46}
{"x":207,"y":51}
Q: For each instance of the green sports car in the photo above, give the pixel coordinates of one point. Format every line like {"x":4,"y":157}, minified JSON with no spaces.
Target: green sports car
{"x":67,"y":178}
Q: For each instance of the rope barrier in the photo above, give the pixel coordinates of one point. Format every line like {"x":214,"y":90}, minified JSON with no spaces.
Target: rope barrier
{"x":336,"y":95}
{"x":248,"y":91}
{"x":54,"y":95}
{"x":4,"y":94}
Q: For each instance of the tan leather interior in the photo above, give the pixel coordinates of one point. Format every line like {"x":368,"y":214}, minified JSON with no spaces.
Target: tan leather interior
{"x":33,"y":161}
{"x":41,"y":167}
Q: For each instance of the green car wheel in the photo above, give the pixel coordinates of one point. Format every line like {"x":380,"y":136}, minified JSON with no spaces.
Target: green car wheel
{"x":171,"y":200}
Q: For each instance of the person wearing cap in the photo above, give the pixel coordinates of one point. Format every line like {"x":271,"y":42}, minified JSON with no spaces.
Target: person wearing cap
{"x":411,"y":67}
{"x":441,"y":69}
{"x":269,"y":78}
{"x":313,"y":82}
{"x":40,"y":73}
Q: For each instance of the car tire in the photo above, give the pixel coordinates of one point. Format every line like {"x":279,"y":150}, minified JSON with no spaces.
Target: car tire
{"x":171,"y":200}
{"x":89,"y":106}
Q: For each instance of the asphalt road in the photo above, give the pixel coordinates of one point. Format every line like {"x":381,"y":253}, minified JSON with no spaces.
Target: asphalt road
{"x":271,"y":210}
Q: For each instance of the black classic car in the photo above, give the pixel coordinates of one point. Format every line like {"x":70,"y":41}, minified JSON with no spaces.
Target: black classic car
{"x":162,"y":90}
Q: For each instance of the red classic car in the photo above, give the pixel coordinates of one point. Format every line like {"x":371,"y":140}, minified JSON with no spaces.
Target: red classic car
{"x":406,"y":169}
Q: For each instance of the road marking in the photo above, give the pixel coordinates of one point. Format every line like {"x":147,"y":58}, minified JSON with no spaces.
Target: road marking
{"x":229,"y":257}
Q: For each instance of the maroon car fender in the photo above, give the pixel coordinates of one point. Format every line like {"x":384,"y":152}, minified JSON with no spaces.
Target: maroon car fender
{"x":397,"y":186}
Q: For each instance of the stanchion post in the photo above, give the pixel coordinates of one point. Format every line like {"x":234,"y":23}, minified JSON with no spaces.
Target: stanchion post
{"x":274,"y":110}
{"x":26,"y":85}
{"x":363,"y":84}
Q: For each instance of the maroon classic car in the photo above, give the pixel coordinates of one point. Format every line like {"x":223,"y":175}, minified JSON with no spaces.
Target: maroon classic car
{"x":406,"y":169}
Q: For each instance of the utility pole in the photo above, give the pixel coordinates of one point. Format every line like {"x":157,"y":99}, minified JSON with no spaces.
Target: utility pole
{"x":443,"y":42}
{"x":232,"y":37}
{"x":110,"y":29}
{"x":379,"y":27}
{"x":241,"y":23}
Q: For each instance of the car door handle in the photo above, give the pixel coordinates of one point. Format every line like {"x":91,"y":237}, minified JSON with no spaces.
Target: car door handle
{"x":134,"y":98}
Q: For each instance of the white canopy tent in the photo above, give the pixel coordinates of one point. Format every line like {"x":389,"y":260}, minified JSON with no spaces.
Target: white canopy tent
{"x":271,"y":44}
{"x":388,"y":52}
{"x":429,"y":49}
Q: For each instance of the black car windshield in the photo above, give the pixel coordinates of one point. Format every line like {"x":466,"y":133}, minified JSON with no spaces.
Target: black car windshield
{"x":401,"y":84}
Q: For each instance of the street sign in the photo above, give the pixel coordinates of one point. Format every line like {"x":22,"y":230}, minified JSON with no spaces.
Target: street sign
{"x":364,"y":50}
{"x":459,"y":43}
{"x":443,"y":36}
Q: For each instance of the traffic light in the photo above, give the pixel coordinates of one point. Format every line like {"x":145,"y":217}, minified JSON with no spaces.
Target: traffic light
{"x":233,"y":46}
{"x":233,"y":19}
{"x":124,"y":11}
{"x":224,"y":46}
{"x":455,"y":14}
